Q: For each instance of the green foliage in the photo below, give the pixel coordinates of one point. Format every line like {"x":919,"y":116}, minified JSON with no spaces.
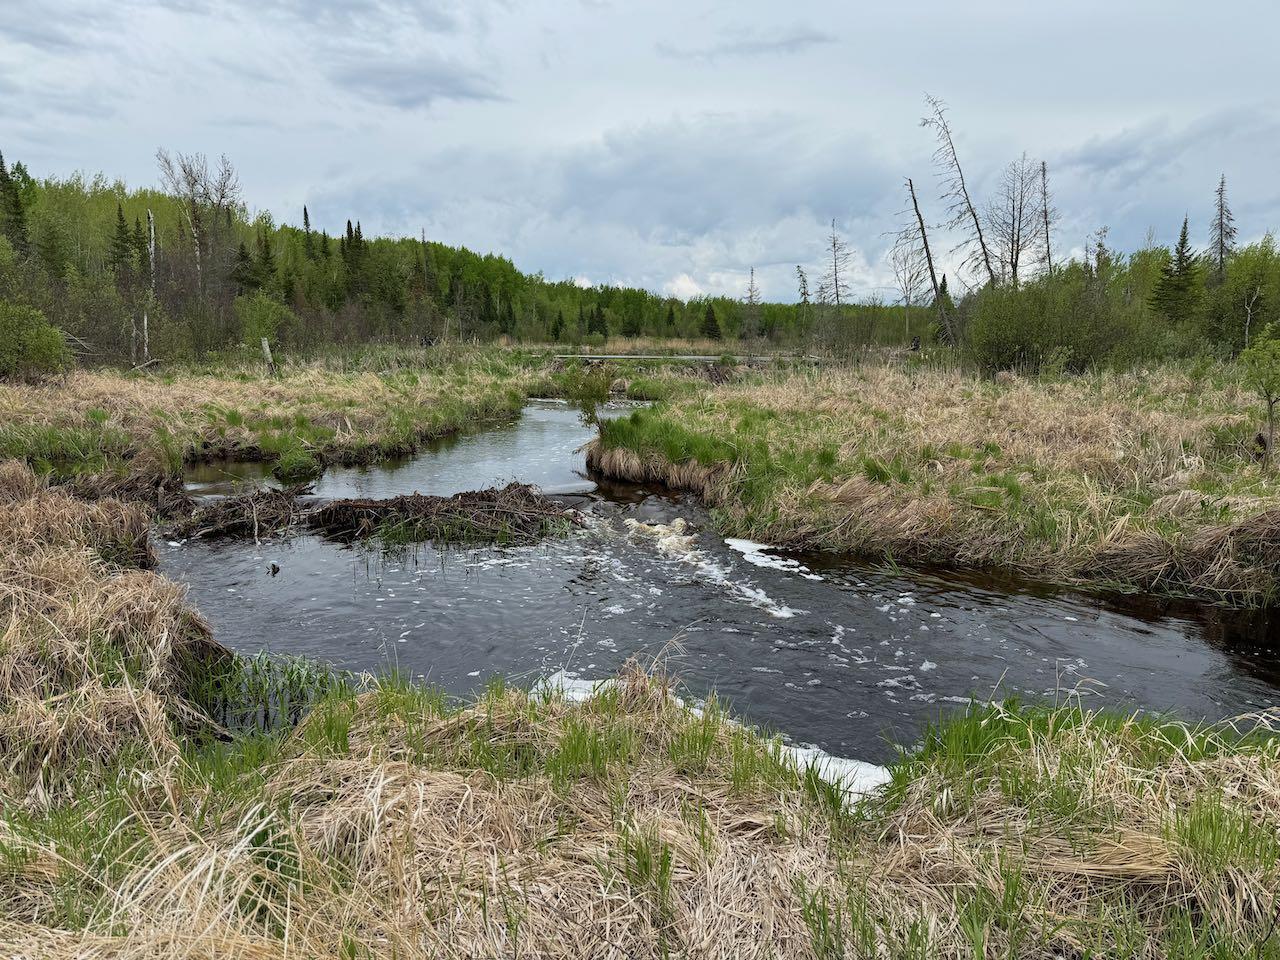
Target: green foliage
{"x":261,"y":316}
{"x":1069,"y":317}
{"x":30,"y":347}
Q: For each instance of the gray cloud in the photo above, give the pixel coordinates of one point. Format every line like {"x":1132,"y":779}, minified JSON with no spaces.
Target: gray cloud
{"x":413,"y":83}
{"x":648,"y":143}
{"x":740,"y":43}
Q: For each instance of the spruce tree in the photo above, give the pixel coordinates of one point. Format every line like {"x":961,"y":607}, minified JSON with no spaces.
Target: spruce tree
{"x":557,"y":327}
{"x":710,"y":326}
{"x":1174,"y":292}
{"x":13,"y":215}
{"x":598,"y":323}
{"x":671,"y":319}
{"x":944,"y":298}
{"x":307,"y":246}
{"x":122,"y":252}
{"x":242,"y":271}
{"x":1222,"y":234}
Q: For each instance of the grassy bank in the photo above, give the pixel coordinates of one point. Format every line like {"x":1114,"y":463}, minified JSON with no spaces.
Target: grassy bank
{"x":157,"y":800}
{"x":1142,"y":480}
{"x":334,"y":409}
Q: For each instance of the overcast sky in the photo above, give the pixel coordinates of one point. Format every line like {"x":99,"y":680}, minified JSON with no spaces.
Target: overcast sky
{"x":671,"y":145}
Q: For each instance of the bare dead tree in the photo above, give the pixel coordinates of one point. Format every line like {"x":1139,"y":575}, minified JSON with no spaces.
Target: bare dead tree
{"x":960,"y":207}
{"x":151,"y":294}
{"x":1013,"y":217}
{"x":833,"y":285}
{"x":207,"y":195}
{"x":1048,"y":214}
{"x":910,"y":273}
{"x":944,"y":322}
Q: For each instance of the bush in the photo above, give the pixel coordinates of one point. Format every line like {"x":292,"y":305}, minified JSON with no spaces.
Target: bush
{"x":1067,"y":320}
{"x":261,"y":316}
{"x":30,"y":346}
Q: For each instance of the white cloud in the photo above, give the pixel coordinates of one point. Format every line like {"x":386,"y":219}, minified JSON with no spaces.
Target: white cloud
{"x":683,"y":286}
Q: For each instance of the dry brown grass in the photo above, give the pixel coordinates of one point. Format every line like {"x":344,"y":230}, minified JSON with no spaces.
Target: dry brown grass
{"x":94,"y":656}
{"x":630,"y":826}
{"x":146,"y":425}
{"x":1142,"y":479}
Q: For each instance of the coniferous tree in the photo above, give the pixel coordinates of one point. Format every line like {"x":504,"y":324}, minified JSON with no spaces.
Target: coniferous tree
{"x":243,"y":272}
{"x":307,"y":245}
{"x":1222,"y":235}
{"x":944,"y":299}
{"x":13,"y":215}
{"x":1174,"y":292}
{"x":122,"y":254}
{"x":557,"y":327}
{"x":710,"y":326}
{"x":671,"y":319}
{"x":598,"y":323}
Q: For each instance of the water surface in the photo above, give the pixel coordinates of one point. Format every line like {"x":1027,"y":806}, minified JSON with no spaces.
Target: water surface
{"x":849,"y":657}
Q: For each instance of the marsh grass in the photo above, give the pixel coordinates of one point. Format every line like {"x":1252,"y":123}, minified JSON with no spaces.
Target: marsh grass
{"x":161,"y":798}
{"x":1141,"y":480}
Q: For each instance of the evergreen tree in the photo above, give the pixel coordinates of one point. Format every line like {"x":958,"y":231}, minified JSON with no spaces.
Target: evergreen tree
{"x":943,"y":299}
{"x":243,"y":272}
{"x":710,"y":326}
{"x":307,"y":246}
{"x":557,"y":326}
{"x":13,"y":215}
{"x":1175,"y":290}
{"x":122,"y":252}
{"x":671,"y":319}
{"x":508,"y":318}
{"x":1222,"y":235}
{"x":598,"y":323}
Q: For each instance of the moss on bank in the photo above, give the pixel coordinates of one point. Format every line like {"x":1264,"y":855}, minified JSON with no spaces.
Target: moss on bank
{"x":1144,"y":480}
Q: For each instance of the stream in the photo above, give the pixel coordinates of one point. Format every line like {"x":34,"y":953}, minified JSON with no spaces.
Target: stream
{"x":848,"y":657}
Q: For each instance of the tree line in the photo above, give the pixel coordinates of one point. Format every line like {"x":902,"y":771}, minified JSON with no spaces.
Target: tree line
{"x":182,"y":271}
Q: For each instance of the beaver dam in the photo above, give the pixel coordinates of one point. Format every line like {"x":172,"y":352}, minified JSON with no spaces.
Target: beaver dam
{"x":852,"y":658}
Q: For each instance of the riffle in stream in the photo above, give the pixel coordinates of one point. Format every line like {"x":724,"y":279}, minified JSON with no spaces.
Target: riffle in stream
{"x":851,"y":658}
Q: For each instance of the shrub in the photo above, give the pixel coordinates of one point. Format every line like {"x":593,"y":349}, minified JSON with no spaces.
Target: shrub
{"x":30,"y":346}
{"x":261,"y":316}
{"x":1068,"y":319}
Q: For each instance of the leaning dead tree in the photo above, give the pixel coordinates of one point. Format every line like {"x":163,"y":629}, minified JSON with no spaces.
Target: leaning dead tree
{"x":962,"y":213}
{"x":1013,"y":217}
{"x":207,"y":196}
{"x":922,"y":233}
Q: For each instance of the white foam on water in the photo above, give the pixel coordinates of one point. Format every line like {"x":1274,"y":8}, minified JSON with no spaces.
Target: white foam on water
{"x":676,"y":541}
{"x":854,"y":777}
{"x":754,"y":553}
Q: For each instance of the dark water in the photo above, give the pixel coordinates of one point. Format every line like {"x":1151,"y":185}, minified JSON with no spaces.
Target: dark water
{"x":844,"y":656}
